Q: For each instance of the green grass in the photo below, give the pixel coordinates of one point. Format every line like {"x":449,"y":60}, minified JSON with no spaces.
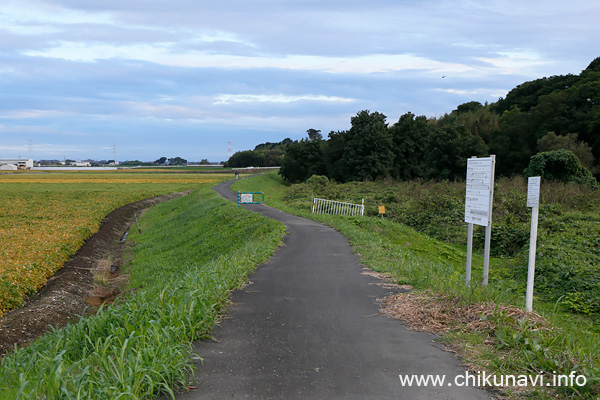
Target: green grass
{"x":571,"y":344}
{"x":392,"y":245}
{"x":193,"y":251}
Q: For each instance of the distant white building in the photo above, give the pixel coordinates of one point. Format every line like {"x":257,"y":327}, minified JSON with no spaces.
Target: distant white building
{"x":20,"y":163}
{"x":8,"y":167}
{"x":81,"y":164}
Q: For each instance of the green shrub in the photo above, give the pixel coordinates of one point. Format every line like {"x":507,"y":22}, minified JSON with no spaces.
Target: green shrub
{"x":509,"y":237}
{"x":567,"y":261}
{"x":318,"y":181}
{"x":438,"y":216}
{"x":561,"y":165}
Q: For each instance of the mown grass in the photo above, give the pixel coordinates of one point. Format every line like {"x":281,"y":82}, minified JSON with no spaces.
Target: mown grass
{"x":192,"y":252}
{"x":571,"y":343}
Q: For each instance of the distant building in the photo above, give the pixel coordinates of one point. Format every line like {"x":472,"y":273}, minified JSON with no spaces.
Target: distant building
{"x":81,"y":164}
{"x":20,"y":163}
{"x":8,"y":167}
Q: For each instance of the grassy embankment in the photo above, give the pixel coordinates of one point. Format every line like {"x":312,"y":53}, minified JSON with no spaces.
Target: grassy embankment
{"x":192,"y":252}
{"x":508,"y":344}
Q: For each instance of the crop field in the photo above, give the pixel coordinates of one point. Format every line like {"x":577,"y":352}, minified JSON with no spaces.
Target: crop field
{"x":46,"y":217}
{"x":182,"y":269}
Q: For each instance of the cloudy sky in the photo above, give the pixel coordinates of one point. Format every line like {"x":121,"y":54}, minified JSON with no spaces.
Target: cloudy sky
{"x":141,"y":79}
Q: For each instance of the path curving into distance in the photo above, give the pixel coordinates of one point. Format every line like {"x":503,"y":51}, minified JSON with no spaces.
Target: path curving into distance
{"x":308,"y":328}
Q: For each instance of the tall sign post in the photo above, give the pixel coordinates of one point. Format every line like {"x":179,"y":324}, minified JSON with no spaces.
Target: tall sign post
{"x":478,"y":207}
{"x":533,"y":201}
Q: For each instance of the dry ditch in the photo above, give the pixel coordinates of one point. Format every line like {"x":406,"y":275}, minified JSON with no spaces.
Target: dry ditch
{"x":90,"y":278}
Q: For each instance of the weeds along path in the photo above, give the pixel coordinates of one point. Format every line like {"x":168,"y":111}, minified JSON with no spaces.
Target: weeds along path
{"x":308,"y":327}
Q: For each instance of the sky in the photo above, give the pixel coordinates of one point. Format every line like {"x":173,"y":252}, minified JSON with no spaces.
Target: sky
{"x":143,"y":79}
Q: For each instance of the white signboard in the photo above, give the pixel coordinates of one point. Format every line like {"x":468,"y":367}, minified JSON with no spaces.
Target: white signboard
{"x":533,"y":191}
{"x":480,"y":173}
{"x":246,"y":198}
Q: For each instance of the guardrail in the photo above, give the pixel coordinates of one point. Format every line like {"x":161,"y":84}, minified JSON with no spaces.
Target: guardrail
{"x":323,"y":206}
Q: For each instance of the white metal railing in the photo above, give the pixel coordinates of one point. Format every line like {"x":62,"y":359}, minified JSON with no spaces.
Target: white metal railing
{"x":322,"y":206}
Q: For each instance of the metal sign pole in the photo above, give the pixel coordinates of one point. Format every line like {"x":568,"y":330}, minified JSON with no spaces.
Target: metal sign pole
{"x":488,"y":229}
{"x":469,"y":253}
{"x":531,"y":268}
{"x":533,"y":201}
{"x":486,"y":254}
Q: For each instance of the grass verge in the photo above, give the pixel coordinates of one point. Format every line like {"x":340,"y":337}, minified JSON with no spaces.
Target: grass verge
{"x":510,"y":342}
{"x":182,"y":272}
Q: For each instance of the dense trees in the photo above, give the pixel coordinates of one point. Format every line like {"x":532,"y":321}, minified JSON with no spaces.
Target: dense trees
{"x":264,"y":155}
{"x":177,"y":161}
{"x":314,"y":134}
{"x":544,"y":115}
{"x":303,"y":159}
{"x":171,"y":161}
{"x":447,"y":152}
{"x":565,"y":105}
{"x":370,"y":150}
{"x":410,"y":136}
{"x":368,"y":153}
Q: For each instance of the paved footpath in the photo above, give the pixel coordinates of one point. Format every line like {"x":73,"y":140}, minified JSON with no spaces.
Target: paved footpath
{"x":308,"y":328}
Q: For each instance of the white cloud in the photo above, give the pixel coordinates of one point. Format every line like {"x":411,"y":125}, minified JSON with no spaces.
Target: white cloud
{"x":42,"y":17}
{"x":514,"y":62}
{"x":492,"y":93}
{"x":164,"y":53}
{"x":46,"y":148}
{"x":16,"y":131}
{"x":216,"y":36}
{"x":277,"y":98}
{"x":90,"y":52}
{"x":29,"y":114}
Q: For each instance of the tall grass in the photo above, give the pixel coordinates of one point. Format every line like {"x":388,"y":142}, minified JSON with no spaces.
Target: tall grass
{"x":192,"y":252}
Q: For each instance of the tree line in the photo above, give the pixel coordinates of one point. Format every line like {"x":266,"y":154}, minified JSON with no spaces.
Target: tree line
{"x":264,"y":155}
{"x":537,"y":117}
{"x":412,"y":147}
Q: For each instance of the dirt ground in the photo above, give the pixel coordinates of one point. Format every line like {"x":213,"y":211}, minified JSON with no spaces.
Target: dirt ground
{"x":90,"y":278}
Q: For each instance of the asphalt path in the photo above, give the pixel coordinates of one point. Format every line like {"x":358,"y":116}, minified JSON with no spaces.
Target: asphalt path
{"x":308,"y":327}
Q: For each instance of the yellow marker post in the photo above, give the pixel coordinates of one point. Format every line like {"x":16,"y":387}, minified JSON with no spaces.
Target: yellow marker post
{"x":381,"y":210}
